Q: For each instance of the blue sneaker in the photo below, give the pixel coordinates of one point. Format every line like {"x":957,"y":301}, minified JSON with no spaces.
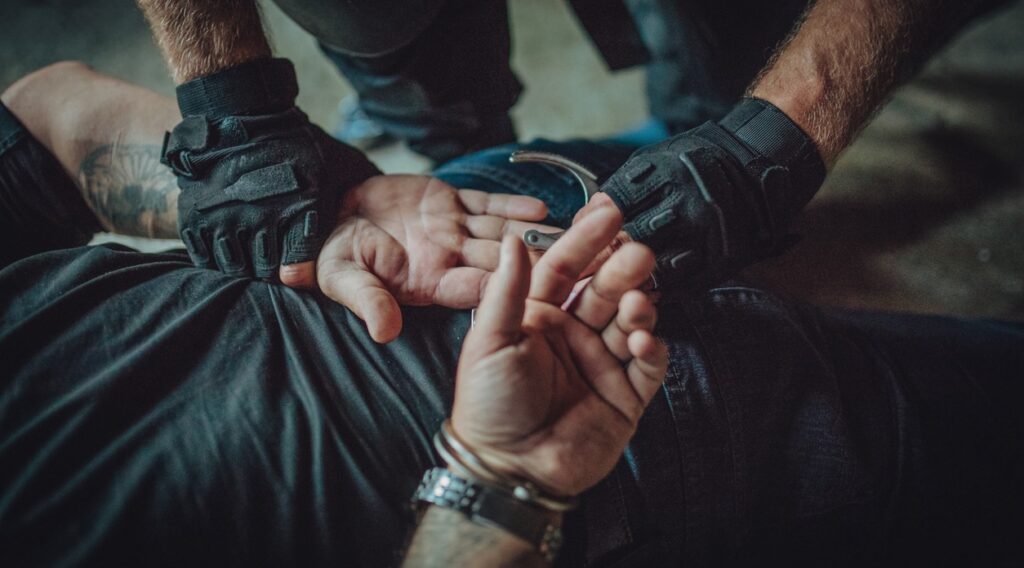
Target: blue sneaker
{"x":355,"y":128}
{"x":650,"y":132}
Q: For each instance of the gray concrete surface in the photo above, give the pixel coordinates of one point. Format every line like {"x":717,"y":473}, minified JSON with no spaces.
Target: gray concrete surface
{"x":923,"y":213}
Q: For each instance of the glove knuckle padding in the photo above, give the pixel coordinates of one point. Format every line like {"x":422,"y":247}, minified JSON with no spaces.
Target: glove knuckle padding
{"x":720,"y":196}
{"x":228,"y":254}
{"x":258,"y":189}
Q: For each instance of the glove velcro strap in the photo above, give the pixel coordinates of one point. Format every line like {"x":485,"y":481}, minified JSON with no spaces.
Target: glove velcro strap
{"x":271,"y":181}
{"x":790,"y":171}
{"x":765,"y":129}
{"x":255,"y":87}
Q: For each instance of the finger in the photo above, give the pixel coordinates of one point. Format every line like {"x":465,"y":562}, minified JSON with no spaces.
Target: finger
{"x":298,"y":275}
{"x":231,"y":259}
{"x":620,"y":239}
{"x":636,"y":311}
{"x":597,"y":202}
{"x":560,"y":267}
{"x":363,"y":293}
{"x":521,"y":207}
{"x":479,"y":253}
{"x":626,"y":270}
{"x":494,"y":228}
{"x":647,"y":370}
{"x":461,"y":287}
{"x":500,"y":316}
{"x":603,"y":372}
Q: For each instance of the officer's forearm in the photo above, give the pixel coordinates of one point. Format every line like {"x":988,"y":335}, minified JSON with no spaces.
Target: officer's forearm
{"x":201,"y":37}
{"x":847,"y":55}
{"x":447,"y":538}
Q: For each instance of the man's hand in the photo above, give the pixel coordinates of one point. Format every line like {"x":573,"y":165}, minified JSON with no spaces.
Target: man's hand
{"x":415,"y":240}
{"x":717,"y":198}
{"x":553,"y":395}
{"x":260,"y":185}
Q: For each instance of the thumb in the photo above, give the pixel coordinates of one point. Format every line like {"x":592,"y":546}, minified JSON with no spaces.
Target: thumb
{"x":363,"y":293}
{"x":298,"y":275}
{"x":500,"y":315}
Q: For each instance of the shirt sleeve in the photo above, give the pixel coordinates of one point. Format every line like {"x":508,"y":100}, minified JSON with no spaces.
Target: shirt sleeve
{"x":41,"y":208}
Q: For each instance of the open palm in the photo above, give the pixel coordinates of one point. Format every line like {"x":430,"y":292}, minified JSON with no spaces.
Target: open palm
{"x":415,"y":240}
{"x":553,"y":393}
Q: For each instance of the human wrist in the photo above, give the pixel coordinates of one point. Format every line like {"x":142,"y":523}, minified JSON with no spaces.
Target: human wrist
{"x":797,"y":94}
{"x":498,"y":467}
{"x":261,"y":86}
{"x":767,"y":130}
{"x":780,"y":158}
{"x":447,"y":538}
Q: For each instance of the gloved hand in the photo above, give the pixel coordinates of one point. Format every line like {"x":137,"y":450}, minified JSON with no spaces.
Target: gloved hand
{"x":260,"y":185}
{"x":719,"y":197}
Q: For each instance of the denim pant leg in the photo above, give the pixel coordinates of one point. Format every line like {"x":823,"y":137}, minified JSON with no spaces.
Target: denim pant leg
{"x":449,"y":90}
{"x":489,"y":170}
{"x":705,"y":54}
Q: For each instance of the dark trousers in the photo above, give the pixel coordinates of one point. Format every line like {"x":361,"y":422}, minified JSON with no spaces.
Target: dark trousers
{"x":436,"y":73}
{"x":446,"y":92}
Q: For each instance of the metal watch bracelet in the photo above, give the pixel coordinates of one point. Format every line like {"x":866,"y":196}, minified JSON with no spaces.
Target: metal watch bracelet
{"x":491,"y":506}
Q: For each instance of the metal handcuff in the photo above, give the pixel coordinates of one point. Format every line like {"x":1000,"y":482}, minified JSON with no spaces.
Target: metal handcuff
{"x":586,"y":178}
{"x":588,"y":182}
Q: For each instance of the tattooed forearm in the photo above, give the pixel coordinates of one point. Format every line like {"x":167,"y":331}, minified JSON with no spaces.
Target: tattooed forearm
{"x":447,"y":538}
{"x":131,"y":192}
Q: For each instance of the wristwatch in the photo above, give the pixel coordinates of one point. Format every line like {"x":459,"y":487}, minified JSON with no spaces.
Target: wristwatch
{"x":491,"y":506}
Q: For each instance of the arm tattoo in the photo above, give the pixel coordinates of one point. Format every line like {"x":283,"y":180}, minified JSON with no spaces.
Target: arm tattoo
{"x":447,"y":538}
{"x":131,"y":192}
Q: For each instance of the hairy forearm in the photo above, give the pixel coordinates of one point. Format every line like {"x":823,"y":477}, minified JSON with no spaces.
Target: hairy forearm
{"x":447,"y":538}
{"x":200,"y":37}
{"x":107,"y":135}
{"x":847,"y":55}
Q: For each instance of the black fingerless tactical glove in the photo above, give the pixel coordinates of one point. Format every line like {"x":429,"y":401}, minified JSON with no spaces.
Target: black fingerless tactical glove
{"x":718,"y":197}
{"x":260,"y":184}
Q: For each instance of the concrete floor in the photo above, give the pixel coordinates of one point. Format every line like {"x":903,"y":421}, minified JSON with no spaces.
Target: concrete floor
{"x":922,"y":214}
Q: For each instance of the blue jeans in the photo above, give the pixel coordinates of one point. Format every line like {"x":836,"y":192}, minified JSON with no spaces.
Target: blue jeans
{"x":796,"y":434}
{"x":447,"y":90}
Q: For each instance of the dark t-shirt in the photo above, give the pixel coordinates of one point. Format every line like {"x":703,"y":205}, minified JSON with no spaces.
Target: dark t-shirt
{"x":155,"y":413}
{"x":152,"y":411}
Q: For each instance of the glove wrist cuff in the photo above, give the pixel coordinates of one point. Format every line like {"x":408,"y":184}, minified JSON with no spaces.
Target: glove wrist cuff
{"x":767,"y":130}
{"x":262,"y":86}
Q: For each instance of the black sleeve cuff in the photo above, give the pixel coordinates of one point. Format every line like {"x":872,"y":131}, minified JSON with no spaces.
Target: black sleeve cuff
{"x":41,"y":207}
{"x":262,"y":86}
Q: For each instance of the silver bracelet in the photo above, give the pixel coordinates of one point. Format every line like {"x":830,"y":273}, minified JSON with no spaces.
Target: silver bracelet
{"x":455,"y":452}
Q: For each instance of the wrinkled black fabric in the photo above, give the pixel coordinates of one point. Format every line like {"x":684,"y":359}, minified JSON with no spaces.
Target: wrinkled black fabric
{"x":154,"y":413}
{"x":42,"y":207}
